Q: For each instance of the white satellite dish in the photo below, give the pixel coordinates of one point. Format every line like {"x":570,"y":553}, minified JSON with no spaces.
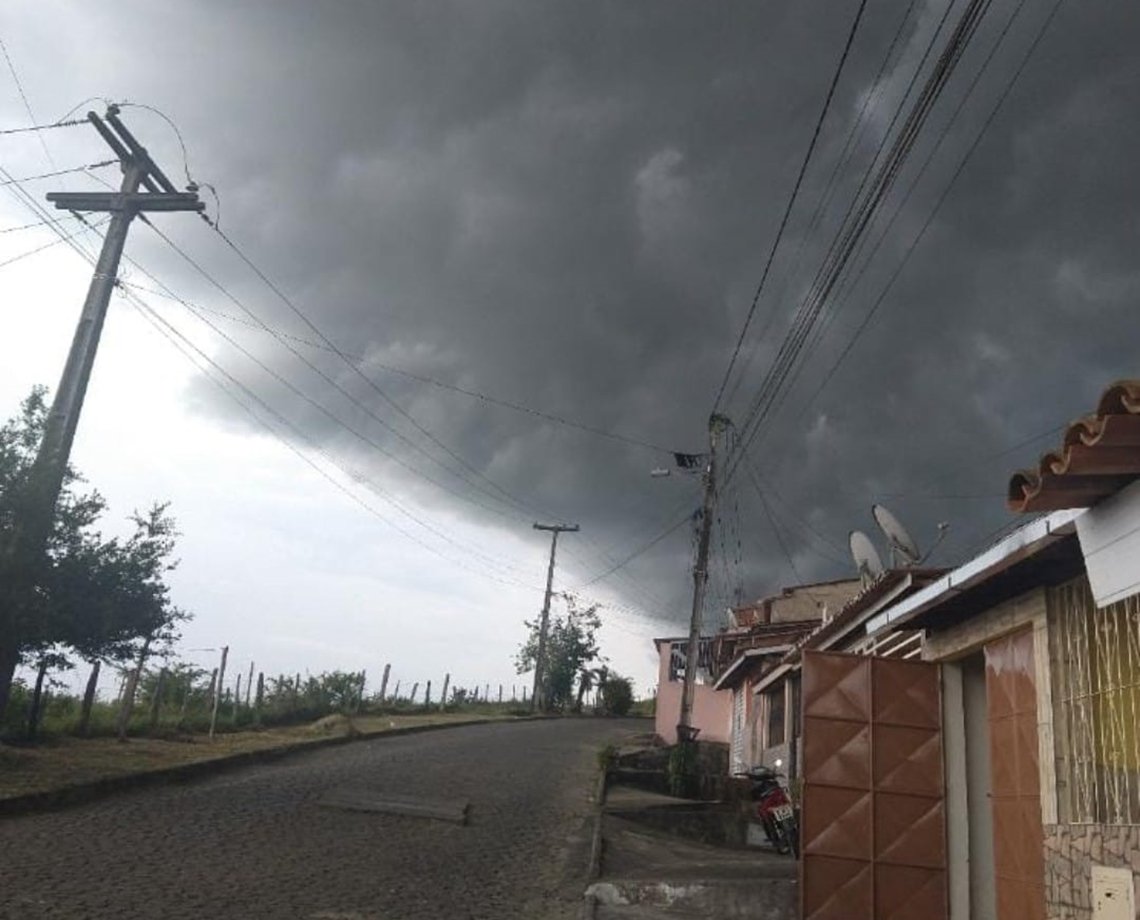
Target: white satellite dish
{"x":866,"y":557}
{"x":904,"y":551}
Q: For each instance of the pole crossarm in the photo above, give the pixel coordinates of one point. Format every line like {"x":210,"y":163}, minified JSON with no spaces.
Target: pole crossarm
{"x":118,"y":201}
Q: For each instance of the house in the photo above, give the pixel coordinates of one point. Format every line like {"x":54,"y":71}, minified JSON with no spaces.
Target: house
{"x":774,"y":697}
{"x":760,"y":632}
{"x":997,"y":773}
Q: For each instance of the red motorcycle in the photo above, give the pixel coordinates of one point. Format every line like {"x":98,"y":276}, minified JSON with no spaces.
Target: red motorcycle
{"x":774,"y":809}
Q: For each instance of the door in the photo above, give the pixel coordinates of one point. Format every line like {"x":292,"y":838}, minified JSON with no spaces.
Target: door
{"x":1015,"y":795}
{"x":873,"y":825}
{"x":736,"y":748}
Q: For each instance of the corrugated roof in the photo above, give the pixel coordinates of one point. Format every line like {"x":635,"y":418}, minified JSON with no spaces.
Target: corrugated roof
{"x":1099,"y":455}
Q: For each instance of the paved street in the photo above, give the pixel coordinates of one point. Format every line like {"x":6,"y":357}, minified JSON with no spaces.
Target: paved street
{"x":253,"y":843}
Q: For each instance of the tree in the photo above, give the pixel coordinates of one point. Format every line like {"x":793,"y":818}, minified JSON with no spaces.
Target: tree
{"x":100,"y":598}
{"x":571,"y":646}
{"x":617,"y":695}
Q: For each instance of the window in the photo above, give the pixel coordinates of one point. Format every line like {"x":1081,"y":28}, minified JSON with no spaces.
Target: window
{"x":774,"y":706}
{"x":1097,"y":702}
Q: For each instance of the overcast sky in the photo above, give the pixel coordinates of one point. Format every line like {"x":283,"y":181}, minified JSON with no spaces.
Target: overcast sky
{"x":567,"y":206}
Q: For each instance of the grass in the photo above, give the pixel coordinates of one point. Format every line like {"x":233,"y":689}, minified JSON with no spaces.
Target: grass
{"x":61,"y":761}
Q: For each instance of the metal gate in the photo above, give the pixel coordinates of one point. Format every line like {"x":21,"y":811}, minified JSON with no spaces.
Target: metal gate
{"x":872,"y":821}
{"x":1011,"y":699}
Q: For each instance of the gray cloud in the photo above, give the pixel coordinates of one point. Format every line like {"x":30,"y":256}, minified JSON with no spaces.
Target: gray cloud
{"x":569,"y":206}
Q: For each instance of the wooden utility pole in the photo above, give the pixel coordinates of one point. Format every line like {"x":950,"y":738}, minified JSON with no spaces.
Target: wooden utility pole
{"x":717,"y":424}
{"x":538,"y":698}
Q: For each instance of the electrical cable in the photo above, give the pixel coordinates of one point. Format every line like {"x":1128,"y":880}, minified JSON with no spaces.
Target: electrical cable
{"x":421,"y":378}
{"x":862,"y":328}
{"x":61,"y":172}
{"x":791,"y":203}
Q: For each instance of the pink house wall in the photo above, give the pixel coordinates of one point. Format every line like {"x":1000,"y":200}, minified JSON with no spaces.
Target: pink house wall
{"x":712,"y":709}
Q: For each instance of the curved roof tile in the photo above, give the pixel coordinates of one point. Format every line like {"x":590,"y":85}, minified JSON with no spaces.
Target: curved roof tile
{"x":1099,"y":455}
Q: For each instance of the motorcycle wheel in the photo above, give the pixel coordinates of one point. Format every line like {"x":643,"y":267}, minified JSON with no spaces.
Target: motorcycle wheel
{"x":791,"y":833}
{"x":776,"y":834}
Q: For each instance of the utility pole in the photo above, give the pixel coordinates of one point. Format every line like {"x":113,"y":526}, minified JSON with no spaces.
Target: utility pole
{"x":538,"y":697}
{"x":59,"y":433}
{"x":717,"y":423}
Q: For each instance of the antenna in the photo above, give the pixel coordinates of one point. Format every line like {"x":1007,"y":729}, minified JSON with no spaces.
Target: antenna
{"x":904,"y":551}
{"x":866,"y":557}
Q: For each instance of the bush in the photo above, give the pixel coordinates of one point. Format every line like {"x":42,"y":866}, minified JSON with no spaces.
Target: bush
{"x":617,"y":696}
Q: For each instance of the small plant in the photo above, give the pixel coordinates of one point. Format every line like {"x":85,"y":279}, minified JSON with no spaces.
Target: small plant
{"x":681,"y":771}
{"x":607,"y":757}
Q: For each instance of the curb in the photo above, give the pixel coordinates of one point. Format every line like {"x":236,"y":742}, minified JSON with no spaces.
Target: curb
{"x":80,"y":793}
{"x":590,"y":904}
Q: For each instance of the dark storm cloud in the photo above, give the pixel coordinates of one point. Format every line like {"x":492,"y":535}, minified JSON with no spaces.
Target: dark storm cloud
{"x":569,"y":205}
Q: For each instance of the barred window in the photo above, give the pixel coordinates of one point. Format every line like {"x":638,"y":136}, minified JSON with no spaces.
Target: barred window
{"x":1097,"y":701}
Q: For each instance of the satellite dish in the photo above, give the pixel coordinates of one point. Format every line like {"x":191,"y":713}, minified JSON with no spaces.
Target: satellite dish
{"x":866,"y":557}
{"x":904,"y":551}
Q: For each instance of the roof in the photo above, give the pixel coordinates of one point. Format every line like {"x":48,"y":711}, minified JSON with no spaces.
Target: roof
{"x":738,"y":669}
{"x":1099,"y":455}
{"x":1041,"y":552}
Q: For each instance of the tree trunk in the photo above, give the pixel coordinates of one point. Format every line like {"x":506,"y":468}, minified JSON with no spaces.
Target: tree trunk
{"x":37,"y":697}
{"x":156,"y":701}
{"x":9,"y":658}
{"x":129,"y":693}
{"x":84,"y":725}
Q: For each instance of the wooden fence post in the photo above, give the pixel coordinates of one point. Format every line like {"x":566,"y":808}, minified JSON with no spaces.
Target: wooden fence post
{"x":249,"y":686}
{"x":415,"y":687}
{"x":500,"y":693}
{"x":443,"y":696}
{"x":237,"y":700}
{"x":260,"y":690}
{"x":427,"y":695}
{"x":221,"y":676}
{"x":396,"y":692}
{"x":384,"y":684}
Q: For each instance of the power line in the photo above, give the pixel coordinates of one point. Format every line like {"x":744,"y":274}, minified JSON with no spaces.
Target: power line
{"x":791,"y":203}
{"x":851,"y":282}
{"x":61,"y":172}
{"x":862,"y":328}
{"x":854,"y":135}
{"x":672,"y":528}
{"x":55,"y":242}
{"x":40,"y":223}
{"x":355,"y":476}
{"x":421,"y":378}
{"x":356,"y":370}
{"x":868,"y":206}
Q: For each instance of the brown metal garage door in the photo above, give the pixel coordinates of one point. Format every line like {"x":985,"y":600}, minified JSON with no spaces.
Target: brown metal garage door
{"x":873,"y":827}
{"x":1011,"y":702}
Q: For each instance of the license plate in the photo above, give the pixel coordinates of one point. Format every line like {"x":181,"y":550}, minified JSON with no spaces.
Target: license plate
{"x":782,"y":812}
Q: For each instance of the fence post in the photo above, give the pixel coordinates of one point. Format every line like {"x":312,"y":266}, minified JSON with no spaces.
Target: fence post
{"x":360,"y":692}
{"x":415,"y":687}
{"x":500,"y":693}
{"x":443,"y":696}
{"x":249,"y":686}
{"x":237,"y":700}
{"x":427,"y":695}
{"x":260,"y":698}
{"x":220,"y":675}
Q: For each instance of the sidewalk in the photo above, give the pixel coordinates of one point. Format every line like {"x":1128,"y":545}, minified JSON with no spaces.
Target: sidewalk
{"x":650,"y":871}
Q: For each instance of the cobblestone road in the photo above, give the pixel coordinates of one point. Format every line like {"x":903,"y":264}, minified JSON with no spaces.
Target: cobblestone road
{"x":253,"y":843}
